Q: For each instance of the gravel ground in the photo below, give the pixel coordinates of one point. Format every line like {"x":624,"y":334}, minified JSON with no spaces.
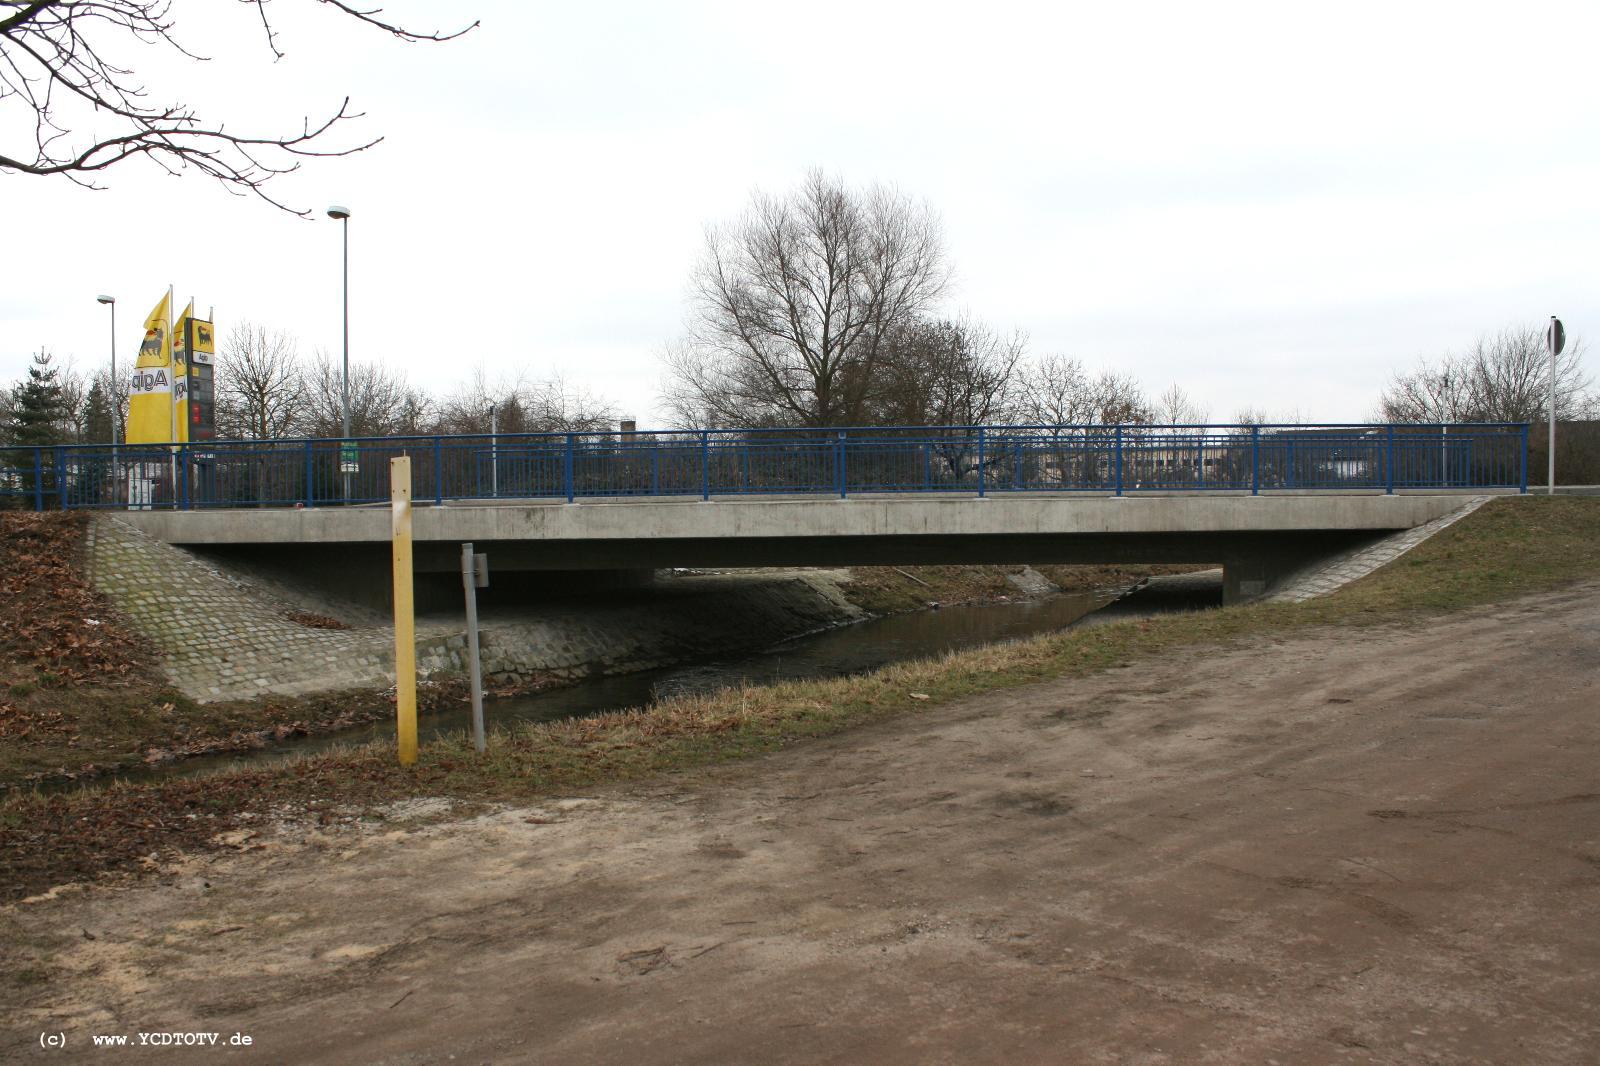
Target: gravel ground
{"x":1351,"y":846}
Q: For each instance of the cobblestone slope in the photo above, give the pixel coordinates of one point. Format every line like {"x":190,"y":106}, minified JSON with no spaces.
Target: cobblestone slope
{"x":220,"y":637}
{"x":223,"y":636}
{"x":1334,"y":573}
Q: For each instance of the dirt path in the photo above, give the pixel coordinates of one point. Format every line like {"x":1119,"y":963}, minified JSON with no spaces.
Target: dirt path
{"x":1375,"y":846}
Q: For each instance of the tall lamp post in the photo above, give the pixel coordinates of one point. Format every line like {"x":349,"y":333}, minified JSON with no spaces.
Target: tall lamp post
{"x":116,"y":397}
{"x":342,"y":214}
{"x":116,"y":403}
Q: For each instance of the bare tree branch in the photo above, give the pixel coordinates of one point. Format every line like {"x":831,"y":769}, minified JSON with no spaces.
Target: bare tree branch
{"x":53,"y":67}
{"x":1503,"y":377}
{"x":796,"y":301}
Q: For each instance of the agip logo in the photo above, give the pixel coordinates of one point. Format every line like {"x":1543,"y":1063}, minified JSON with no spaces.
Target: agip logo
{"x":149,"y":381}
{"x":150,"y":347}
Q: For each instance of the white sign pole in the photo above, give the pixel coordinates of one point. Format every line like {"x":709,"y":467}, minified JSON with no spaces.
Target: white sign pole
{"x":1555,"y":339}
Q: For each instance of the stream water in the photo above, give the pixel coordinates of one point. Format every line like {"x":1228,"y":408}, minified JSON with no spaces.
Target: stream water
{"x":837,"y":652}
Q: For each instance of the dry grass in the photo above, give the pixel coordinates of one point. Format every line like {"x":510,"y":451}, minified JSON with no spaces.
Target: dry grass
{"x":1511,"y":547}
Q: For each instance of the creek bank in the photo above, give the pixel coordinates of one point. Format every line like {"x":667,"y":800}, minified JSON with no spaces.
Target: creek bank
{"x":1510,"y":548}
{"x":127,"y":653}
{"x":224,"y":632}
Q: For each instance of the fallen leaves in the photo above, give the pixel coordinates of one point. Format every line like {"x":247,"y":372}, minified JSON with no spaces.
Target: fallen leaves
{"x":56,"y":622}
{"x":312,"y":620}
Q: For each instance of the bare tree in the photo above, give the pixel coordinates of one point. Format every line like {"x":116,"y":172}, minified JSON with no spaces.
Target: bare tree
{"x":1059,"y":391}
{"x":796,"y":302}
{"x":1511,"y":371}
{"x":381,"y":403}
{"x":60,"y":73}
{"x":1176,"y":407}
{"x":1255,"y":415}
{"x":1503,"y":377}
{"x":75,"y":385}
{"x":950,"y":372}
{"x":466,"y":409}
{"x":557,"y":406}
{"x":1436,"y":391}
{"x":520,"y":406}
{"x":260,"y":393}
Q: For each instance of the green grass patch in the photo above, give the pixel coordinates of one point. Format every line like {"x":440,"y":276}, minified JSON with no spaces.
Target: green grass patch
{"x":1511,"y":547}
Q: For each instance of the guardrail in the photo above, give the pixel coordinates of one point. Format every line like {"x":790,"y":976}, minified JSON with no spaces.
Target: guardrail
{"x":980,"y":460}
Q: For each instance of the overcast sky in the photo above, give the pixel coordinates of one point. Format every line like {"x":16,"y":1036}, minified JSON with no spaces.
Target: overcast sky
{"x":1275,"y":205}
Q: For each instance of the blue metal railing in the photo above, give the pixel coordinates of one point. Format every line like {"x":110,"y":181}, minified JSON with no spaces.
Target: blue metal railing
{"x":980,"y":460}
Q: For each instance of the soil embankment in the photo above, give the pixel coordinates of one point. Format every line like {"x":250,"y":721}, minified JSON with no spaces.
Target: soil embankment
{"x":122,"y":651}
{"x":1340,"y":845}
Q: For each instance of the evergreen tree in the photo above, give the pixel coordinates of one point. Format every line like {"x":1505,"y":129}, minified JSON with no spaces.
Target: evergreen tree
{"x":97,"y":417}
{"x":34,"y":419}
{"x":37,"y":406}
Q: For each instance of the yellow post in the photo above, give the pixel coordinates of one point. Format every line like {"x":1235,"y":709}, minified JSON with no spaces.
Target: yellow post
{"x":405,"y":642}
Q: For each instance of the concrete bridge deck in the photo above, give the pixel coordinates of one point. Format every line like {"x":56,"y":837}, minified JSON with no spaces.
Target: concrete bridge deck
{"x":1257,"y":539}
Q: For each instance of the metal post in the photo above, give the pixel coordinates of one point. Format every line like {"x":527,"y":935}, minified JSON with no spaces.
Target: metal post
{"x":494,"y":451}
{"x":116,"y":403}
{"x":1388,"y":462}
{"x":1524,"y":472}
{"x":838,"y":464}
{"x":1255,"y":460}
{"x":311,"y":474}
{"x":344,"y":224}
{"x":38,"y":479}
{"x":981,"y":478}
{"x":61,"y":477}
{"x":438,"y":471}
{"x":469,"y":583}
{"x":566,"y":469}
{"x":1118,"y":460}
{"x":115,"y":398}
{"x":1551,"y":491}
{"x":705,"y":464}
{"x":183,"y":479}
{"x":1444,"y":456}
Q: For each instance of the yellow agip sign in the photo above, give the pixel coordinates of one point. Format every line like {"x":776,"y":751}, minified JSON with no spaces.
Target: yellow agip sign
{"x":159,"y":408}
{"x":151,"y":417}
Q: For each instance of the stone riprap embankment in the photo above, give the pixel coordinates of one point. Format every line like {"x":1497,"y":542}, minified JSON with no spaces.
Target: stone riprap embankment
{"x":1331,"y":574}
{"x":224,"y":635}
{"x":219,"y":636}
{"x":684,"y":618}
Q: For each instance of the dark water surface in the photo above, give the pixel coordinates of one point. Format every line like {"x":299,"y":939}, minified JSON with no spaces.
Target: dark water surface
{"x":837,"y":652}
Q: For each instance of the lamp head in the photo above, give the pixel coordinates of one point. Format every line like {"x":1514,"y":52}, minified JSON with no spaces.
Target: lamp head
{"x":106,"y":299}
{"x":338,"y":212}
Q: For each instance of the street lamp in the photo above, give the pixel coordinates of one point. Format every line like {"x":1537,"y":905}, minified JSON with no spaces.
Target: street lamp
{"x":116,"y":404}
{"x":342,"y":214}
{"x":116,"y":397}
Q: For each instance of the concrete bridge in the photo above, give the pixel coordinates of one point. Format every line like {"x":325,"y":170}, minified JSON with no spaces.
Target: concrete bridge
{"x":1263,"y":501}
{"x":1258,"y":539}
